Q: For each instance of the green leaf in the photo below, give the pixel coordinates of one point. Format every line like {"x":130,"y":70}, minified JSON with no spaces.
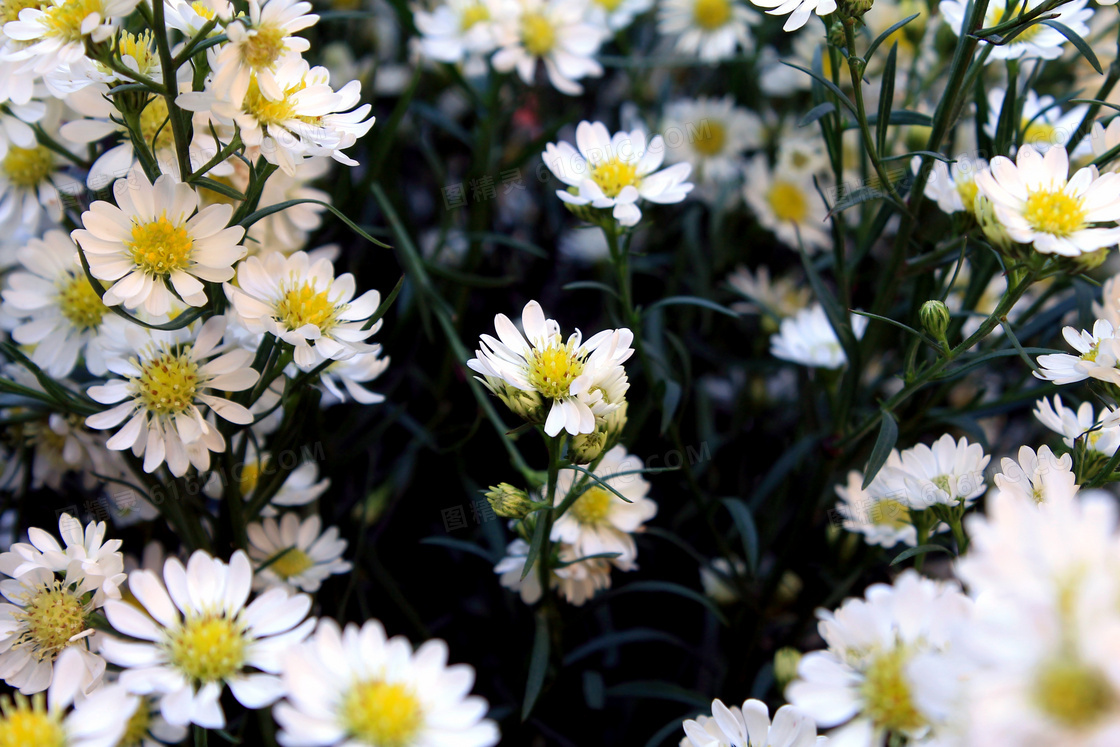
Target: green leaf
{"x":898,"y":117}
{"x":1082,"y":45}
{"x":890,"y":321}
{"x":669,"y":402}
{"x":497,"y":238}
{"x":911,"y":154}
{"x":789,"y":459}
{"x":886,"y":35}
{"x":280,"y":206}
{"x":692,"y":301}
{"x":382,"y":309}
{"x":667,"y":587}
{"x":592,"y":285}
{"x":888,"y":437}
{"x":538,"y":664}
{"x":597,"y":479}
{"x":840,"y":95}
{"x":886,"y":100}
{"x":461,"y":545}
{"x":621,"y":638}
{"x":919,"y":550}
{"x":818,"y":111}
{"x":658,"y":690}
{"x":535,"y":545}
{"x":748,"y":532}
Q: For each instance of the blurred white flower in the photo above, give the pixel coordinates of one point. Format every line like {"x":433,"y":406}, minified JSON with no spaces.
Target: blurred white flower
{"x":711,"y":134}
{"x":750,"y":725}
{"x":302,"y":555}
{"x":554,"y":32}
{"x":1100,"y":434}
{"x":712,"y":30}
{"x":1097,"y":357}
{"x":948,"y":473}
{"x":1039,"y":477}
{"x":787,"y":204}
{"x":1037,"y":41}
{"x":807,"y":338}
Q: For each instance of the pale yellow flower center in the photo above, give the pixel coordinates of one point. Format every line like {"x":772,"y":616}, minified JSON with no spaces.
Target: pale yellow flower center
{"x":609,"y":5}
{"x":66,"y":20}
{"x":613,"y":175}
{"x":552,"y":370}
{"x":160,"y":247}
{"x":968,"y":190}
{"x":263,"y":47}
{"x":383,"y":714}
{"x":154,"y":124}
{"x":473,"y":15}
{"x":141,"y":49}
{"x":1074,"y":694}
{"x":138,"y":725}
{"x":1055,"y":213}
{"x":890,"y":513}
{"x":269,"y":112}
{"x":591,"y":508}
{"x":250,"y":476}
{"x":210,"y":648}
{"x":50,"y":617}
{"x":712,"y":138}
{"x":292,"y":563}
{"x":80,"y":304}
{"x":537,"y":34}
{"x":9,"y":9}
{"x":28,"y":723}
{"x":28,"y":167}
{"x":167,"y":384}
{"x":788,"y":201}
{"x":203,"y":10}
{"x":886,"y":693}
{"x":304,"y":305}
{"x":1038,"y":132}
{"x":711,"y":14}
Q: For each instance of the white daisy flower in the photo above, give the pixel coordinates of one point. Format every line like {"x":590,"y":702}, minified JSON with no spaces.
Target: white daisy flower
{"x":59,"y":311}
{"x":780,"y":297}
{"x":1101,"y":434}
{"x":882,"y":521}
{"x":357,"y":688}
{"x":1039,"y":477}
{"x":63,"y":719}
{"x":577,"y":580}
{"x":807,"y":338}
{"x":616,"y":172}
{"x":53,"y":35}
{"x":31,"y":186}
{"x":62,"y":446}
{"x":799,"y":10}
{"x":257,"y":49}
{"x":948,"y":473}
{"x":163,"y":391}
{"x":711,"y":134}
{"x":302,"y":555}
{"x":953,"y":186}
{"x":1097,"y":358}
{"x":147,"y":728}
{"x":155,"y":241}
{"x":787,"y":204}
{"x":803,"y":156}
{"x":554,"y":32}
{"x":1043,"y":125}
{"x":599,"y":522}
{"x":53,"y":592}
{"x":137,"y":53}
{"x":189,"y":17}
{"x":616,"y":15}
{"x":866,"y":682}
{"x":308,"y":119}
{"x":302,"y":303}
{"x":456,"y":30}
{"x":342,"y":380}
{"x":197,"y":636}
{"x":1037,"y":202}
{"x":750,"y":725}
{"x":1039,"y":41}
{"x":710,"y":29}
{"x":570,"y":373}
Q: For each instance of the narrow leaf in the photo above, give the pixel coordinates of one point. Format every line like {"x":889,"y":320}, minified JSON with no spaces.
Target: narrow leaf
{"x":919,"y":550}
{"x":692,"y":301}
{"x":748,"y":532}
{"x":886,"y":35}
{"x":1082,"y":45}
{"x":818,"y":111}
{"x":538,"y":665}
{"x":888,"y":437}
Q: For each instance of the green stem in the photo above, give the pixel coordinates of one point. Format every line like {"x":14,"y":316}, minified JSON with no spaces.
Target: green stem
{"x":171,"y":91}
{"x":544,"y":560}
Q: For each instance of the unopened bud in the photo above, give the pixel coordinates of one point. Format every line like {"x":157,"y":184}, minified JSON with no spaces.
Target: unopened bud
{"x":786,"y":661}
{"x":527,"y":405}
{"x":613,"y":424}
{"x":855,"y":8}
{"x":586,"y":447}
{"x":836,"y":36}
{"x":935,"y":318}
{"x":1090,"y":260}
{"x":993,"y":230}
{"x":509,"y":502}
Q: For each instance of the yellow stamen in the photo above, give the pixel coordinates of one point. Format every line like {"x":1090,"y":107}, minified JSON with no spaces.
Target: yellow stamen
{"x":51,"y":617}
{"x":1055,"y":213}
{"x":711,"y":14}
{"x":80,"y":304}
{"x":788,"y":201}
{"x":537,"y":34}
{"x":292,"y":563}
{"x":712,"y":138}
{"x":1074,"y":694}
{"x":28,"y":167}
{"x":263,"y":47}
{"x":160,"y":247}
{"x":591,"y":508}
{"x":613,"y":175}
{"x":382,"y":714}
{"x":886,"y":694}
{"x":208,"y":648}
{"x":305,"y":305}
{"x":552,"y":370}
{"x":167,"y":383}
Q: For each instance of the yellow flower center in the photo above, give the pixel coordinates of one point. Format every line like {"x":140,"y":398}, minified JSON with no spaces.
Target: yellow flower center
{"x":609,"y":5}
{"x":268,"y":112}
{"x":1074,"y":694}
{"x":138,"y":725}
{"x":890,"y":513}
{"x":968,"y":190}
{"x":1055,"y":213}
{"x":998,"y":15}
{"x":167,"y":383}
{"x":80,"y":304}
{"x":552,"y":370}
{"x":9,"y":9}
{"x":50,"y":617}
{"x":711,"y":14}
{"x":382,"y":714}
{"x":591,"y":508}
{"x":537,"y":34}
{"x":208,"y":648}
{"x":292,"y":563}
{"x":1038,"y":131}
{"x":250,"y":476}
{"x":613,"y":175}
{"x":263,"y":47}
{"x":160,"y":247}
{"x":788,"y":201}
{"x":799,"y":159}
{"x":473,"y":15}
{"x":305,"y":305}
{"x":712,"y":138}
{"x":886,"y":693}
{"x":203,"y":10}
{"x":140,"y":48}
{"x":28,"y":167}
{"x":155,"y":125}
{"x":28,"y":723}
{"x":65,"y":20}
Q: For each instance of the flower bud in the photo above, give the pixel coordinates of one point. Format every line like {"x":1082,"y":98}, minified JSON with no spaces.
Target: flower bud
{"x":854,"y":8}
{"x":527,"y":405}
{"x":586,"y":447}
{"x":1090,"y":260}
{"x":786,"y":661}
{"x":935,"y":318}
{"x":509,"y":502}
{"x":836,"y":36}
{"x":612,"y":425}
{"x":993,"y":230}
